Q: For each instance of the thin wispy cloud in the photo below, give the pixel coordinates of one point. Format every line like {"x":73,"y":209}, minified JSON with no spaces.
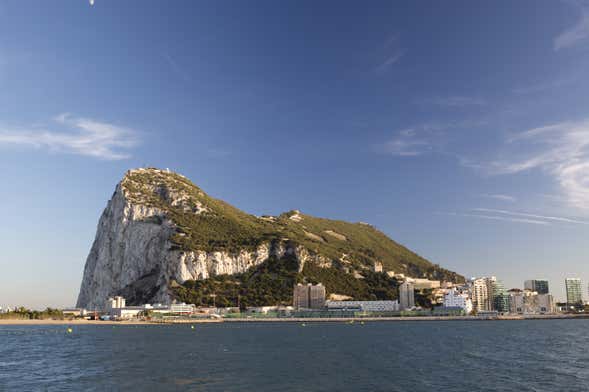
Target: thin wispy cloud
{"x":545,"y":85}
{"x":454,"y":101}
{"x":545,"y":218}
{"x":561,"y":150}
{"x":501,"y":197}
{"x":408,"y":142}
{"x":578,"y":32}
{"x":77,"y":135}
{"x":424,"y":138}
{"x":176,"y":69}
{"x":499,"y":218}
{"x":392,"y":53}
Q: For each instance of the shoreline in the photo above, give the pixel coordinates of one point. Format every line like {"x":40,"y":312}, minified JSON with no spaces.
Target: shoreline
{"x":289,"y":320}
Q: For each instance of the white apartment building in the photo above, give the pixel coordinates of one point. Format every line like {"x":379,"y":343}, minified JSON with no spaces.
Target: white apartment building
{"x":457,"y":299}
{"x":115,"y":303}
{"x":482,"y":293}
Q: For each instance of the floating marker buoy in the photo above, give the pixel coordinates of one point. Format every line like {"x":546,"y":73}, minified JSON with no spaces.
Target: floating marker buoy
{"x":69,"y":330}
{"x":303,"y":325}
{"x":192,"y":327}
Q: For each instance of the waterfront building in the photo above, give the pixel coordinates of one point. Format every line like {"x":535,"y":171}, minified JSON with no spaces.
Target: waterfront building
{"x":363,"y":306}
{"x":455,"y":298}
{"x":573,"y":290}
{"x":545,"y":303}
{"x":538,"y":285}
{"x":530,"y":302}
{"x":74,"y":312}
{"x":407,"y":295}
{"x":115,"y":303}
{"x":127,"y":312}
{"x":500,"y":297}
{"x":482,"y":293}
{"x":308,"y":296}
{"x":182,"y":308}
{"x":317,"y":296}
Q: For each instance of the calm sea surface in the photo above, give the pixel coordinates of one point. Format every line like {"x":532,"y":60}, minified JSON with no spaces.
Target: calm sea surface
{"x":545,"y":355}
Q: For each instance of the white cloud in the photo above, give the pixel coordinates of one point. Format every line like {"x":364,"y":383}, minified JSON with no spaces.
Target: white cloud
{"x":561,"y":150}
{"x":83,"y":137}
{"x":394,"y":53}
{"x":534,"y":216}
{"x":541,"y":86}
{"x":176,"y":69}
{"x":424,"y":138}
{"x":501,"y":218}
{"x":392,"y":59}
{"x":501,"y":197}
{"x":407,"y":143}
{"x":575,"y":34}
{"x":455,"y":101}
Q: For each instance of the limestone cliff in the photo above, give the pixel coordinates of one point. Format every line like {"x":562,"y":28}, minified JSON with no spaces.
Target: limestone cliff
{"x":159,"y":230}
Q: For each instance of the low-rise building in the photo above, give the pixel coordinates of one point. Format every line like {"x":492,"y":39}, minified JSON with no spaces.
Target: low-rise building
{"x":127,"y":312}
{"x":530,"y":302}
{"x":75,"y":312}
{"x":363,"y":306}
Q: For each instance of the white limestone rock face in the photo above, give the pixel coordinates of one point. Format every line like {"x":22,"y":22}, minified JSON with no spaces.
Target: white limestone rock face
{"x":132,"y":254}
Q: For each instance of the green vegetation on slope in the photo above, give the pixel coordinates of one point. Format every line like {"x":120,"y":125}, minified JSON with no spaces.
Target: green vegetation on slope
{"x":271,"y":283}
{"x":205,"y":223}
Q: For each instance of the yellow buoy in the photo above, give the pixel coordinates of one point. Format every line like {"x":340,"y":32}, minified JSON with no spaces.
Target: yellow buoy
{"x":303,"y":325}
{"x":192,"y":327}
{"x":69,"y":330}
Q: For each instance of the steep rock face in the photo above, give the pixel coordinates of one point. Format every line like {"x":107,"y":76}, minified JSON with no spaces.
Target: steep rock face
{"x":133,"y":255}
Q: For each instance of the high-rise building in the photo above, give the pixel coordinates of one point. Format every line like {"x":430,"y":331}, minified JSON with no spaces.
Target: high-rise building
{"x":308,"y":296}
{"x":574,"y":294}
{"x":538,"y":285}
{"x":316,"y":296}
{"x":407,"y":295}
{"x":500,"y":297}
{"x":482,"y":293}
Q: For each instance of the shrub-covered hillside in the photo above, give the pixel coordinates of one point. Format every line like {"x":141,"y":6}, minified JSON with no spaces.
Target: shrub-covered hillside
{"x":349,"y":250}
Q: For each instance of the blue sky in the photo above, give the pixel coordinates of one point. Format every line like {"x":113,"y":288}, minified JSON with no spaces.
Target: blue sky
{"x":461,"y":130}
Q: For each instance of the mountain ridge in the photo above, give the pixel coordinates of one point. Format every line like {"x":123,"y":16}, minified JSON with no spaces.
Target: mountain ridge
{"x":161,"y":238}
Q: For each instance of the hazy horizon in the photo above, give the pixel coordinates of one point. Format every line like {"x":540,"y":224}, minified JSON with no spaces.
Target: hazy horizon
{"x":461,"y":132}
